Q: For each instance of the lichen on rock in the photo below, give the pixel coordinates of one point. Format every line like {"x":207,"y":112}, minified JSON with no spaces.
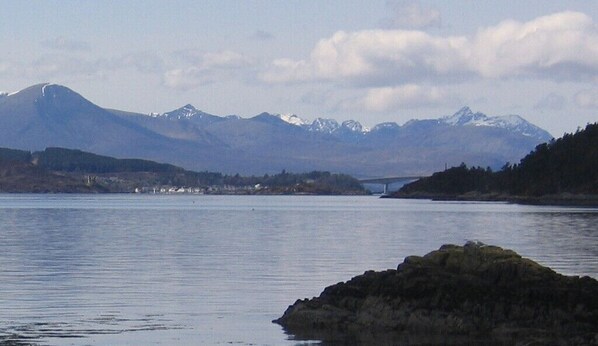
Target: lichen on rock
{"x":471,"y":292}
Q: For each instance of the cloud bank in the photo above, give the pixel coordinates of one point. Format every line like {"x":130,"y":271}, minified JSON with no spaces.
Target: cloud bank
{"x":562,"y":46}
{"x":404,"y":96}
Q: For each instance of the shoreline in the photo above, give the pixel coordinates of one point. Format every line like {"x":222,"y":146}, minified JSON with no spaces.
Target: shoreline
{"x":563,"y":200}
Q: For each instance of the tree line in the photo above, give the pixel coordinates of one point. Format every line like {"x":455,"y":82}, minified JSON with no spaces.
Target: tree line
{"x":77,"y":162}
{"x":565,"y":165}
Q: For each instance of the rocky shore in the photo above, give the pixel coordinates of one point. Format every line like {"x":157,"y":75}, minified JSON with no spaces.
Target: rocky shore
{"x":471,"y":294}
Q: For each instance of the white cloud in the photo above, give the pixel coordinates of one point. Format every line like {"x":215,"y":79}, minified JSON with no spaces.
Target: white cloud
{"x":411,"y":15}
{"x":587,"y":98}
{"x":185,"y":79}
{"x":405,"y":96}
{"x":375,"y":57}
{"x":205,"y":68}
{"x":562,"y":46}
{"x":287,"y":70}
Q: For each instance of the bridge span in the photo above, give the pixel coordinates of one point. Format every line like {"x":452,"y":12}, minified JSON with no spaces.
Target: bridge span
{"x":391,"y":180}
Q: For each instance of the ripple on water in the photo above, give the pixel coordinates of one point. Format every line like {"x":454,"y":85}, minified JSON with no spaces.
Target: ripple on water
{"x":127,"y":269}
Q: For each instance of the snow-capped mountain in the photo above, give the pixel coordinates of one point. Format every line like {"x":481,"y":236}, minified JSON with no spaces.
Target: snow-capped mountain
{"x":463,"y":117}
{"x":292,"y":119}
{"x":354,"y":126}
{"x":513,"y":123}
{"x":51,"y":115}
{"x":389,"y":127}
{"x":48,"y":115}
{"x":323,"y":125}
{"x":188,"y":111}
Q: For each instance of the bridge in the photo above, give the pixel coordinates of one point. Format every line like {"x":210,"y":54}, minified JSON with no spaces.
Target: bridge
{"x":391,"y":180}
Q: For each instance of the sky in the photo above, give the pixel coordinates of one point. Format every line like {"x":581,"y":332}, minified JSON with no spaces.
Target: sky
{"x":370,"y":61}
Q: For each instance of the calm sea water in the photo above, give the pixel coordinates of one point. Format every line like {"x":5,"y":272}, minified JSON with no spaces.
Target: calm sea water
{"x":211,"y":270}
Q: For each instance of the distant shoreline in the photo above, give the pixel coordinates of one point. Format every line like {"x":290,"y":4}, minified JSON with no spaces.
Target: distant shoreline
{"x":565,"y":199}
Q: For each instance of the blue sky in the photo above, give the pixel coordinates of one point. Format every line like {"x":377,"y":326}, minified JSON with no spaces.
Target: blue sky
{"x":372,"y":61}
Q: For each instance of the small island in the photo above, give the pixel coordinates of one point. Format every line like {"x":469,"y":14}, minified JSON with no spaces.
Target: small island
{"x":563,"y":171}
{"x":471,"y":294}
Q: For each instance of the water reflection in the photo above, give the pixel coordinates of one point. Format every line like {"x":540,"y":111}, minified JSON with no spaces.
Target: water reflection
{"x":118,"y":269}
{"x":110,"y":324}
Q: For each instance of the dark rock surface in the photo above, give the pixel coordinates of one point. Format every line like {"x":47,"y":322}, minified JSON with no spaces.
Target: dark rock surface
{"x":471,"y":294}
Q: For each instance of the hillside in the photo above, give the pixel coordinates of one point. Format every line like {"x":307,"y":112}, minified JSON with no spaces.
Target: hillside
{"x":68,"y":170}
{"x":19,"y":174}
{"x":562,"y":170}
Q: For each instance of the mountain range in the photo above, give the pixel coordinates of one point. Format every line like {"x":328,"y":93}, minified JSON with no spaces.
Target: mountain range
{"x":50,"y":115}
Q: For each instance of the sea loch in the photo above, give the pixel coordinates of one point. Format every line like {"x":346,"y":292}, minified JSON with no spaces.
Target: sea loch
{"x":131,"y":269}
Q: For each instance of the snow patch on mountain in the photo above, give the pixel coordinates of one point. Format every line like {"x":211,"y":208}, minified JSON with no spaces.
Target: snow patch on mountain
{"x":14,"y":92}
{"x":323,"y":125}
{"x":388,"y":126}
{"x":186,"y":112}
{"x":464,"y":117}
{"x":292,"y":119}
{"x":44,"y":89}
{"x":514,"y":123}
{"x":354,"y":126}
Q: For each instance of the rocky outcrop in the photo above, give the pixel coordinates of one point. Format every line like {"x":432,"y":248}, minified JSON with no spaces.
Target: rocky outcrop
{"x":454,"y":295}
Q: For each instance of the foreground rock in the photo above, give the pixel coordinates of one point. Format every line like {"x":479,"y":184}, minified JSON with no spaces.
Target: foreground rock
{"x":455,"y":295}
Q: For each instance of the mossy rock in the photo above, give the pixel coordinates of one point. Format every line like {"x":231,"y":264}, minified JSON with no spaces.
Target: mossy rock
{"x":473,"y":291}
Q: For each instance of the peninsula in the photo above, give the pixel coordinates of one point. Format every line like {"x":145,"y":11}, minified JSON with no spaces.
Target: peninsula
{"x":562,"y":171}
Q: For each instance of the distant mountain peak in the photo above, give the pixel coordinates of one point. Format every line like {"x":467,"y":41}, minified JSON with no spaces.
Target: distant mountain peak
{"x":464,"y":116}
{"x":514,"y":123}
{"x":354,"y":126}
{"x":292,"y":119}
{"x":55,"y":98}
{"x":388,"y":126}
{"x":323,"y":125}
{"x":34,"y":89}
{"x":45,"y":86}
{"x":188,"y":111}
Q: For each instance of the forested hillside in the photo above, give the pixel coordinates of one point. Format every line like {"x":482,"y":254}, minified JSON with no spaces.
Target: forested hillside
{"x":68,"y":170}
{"x":568,"y":165}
